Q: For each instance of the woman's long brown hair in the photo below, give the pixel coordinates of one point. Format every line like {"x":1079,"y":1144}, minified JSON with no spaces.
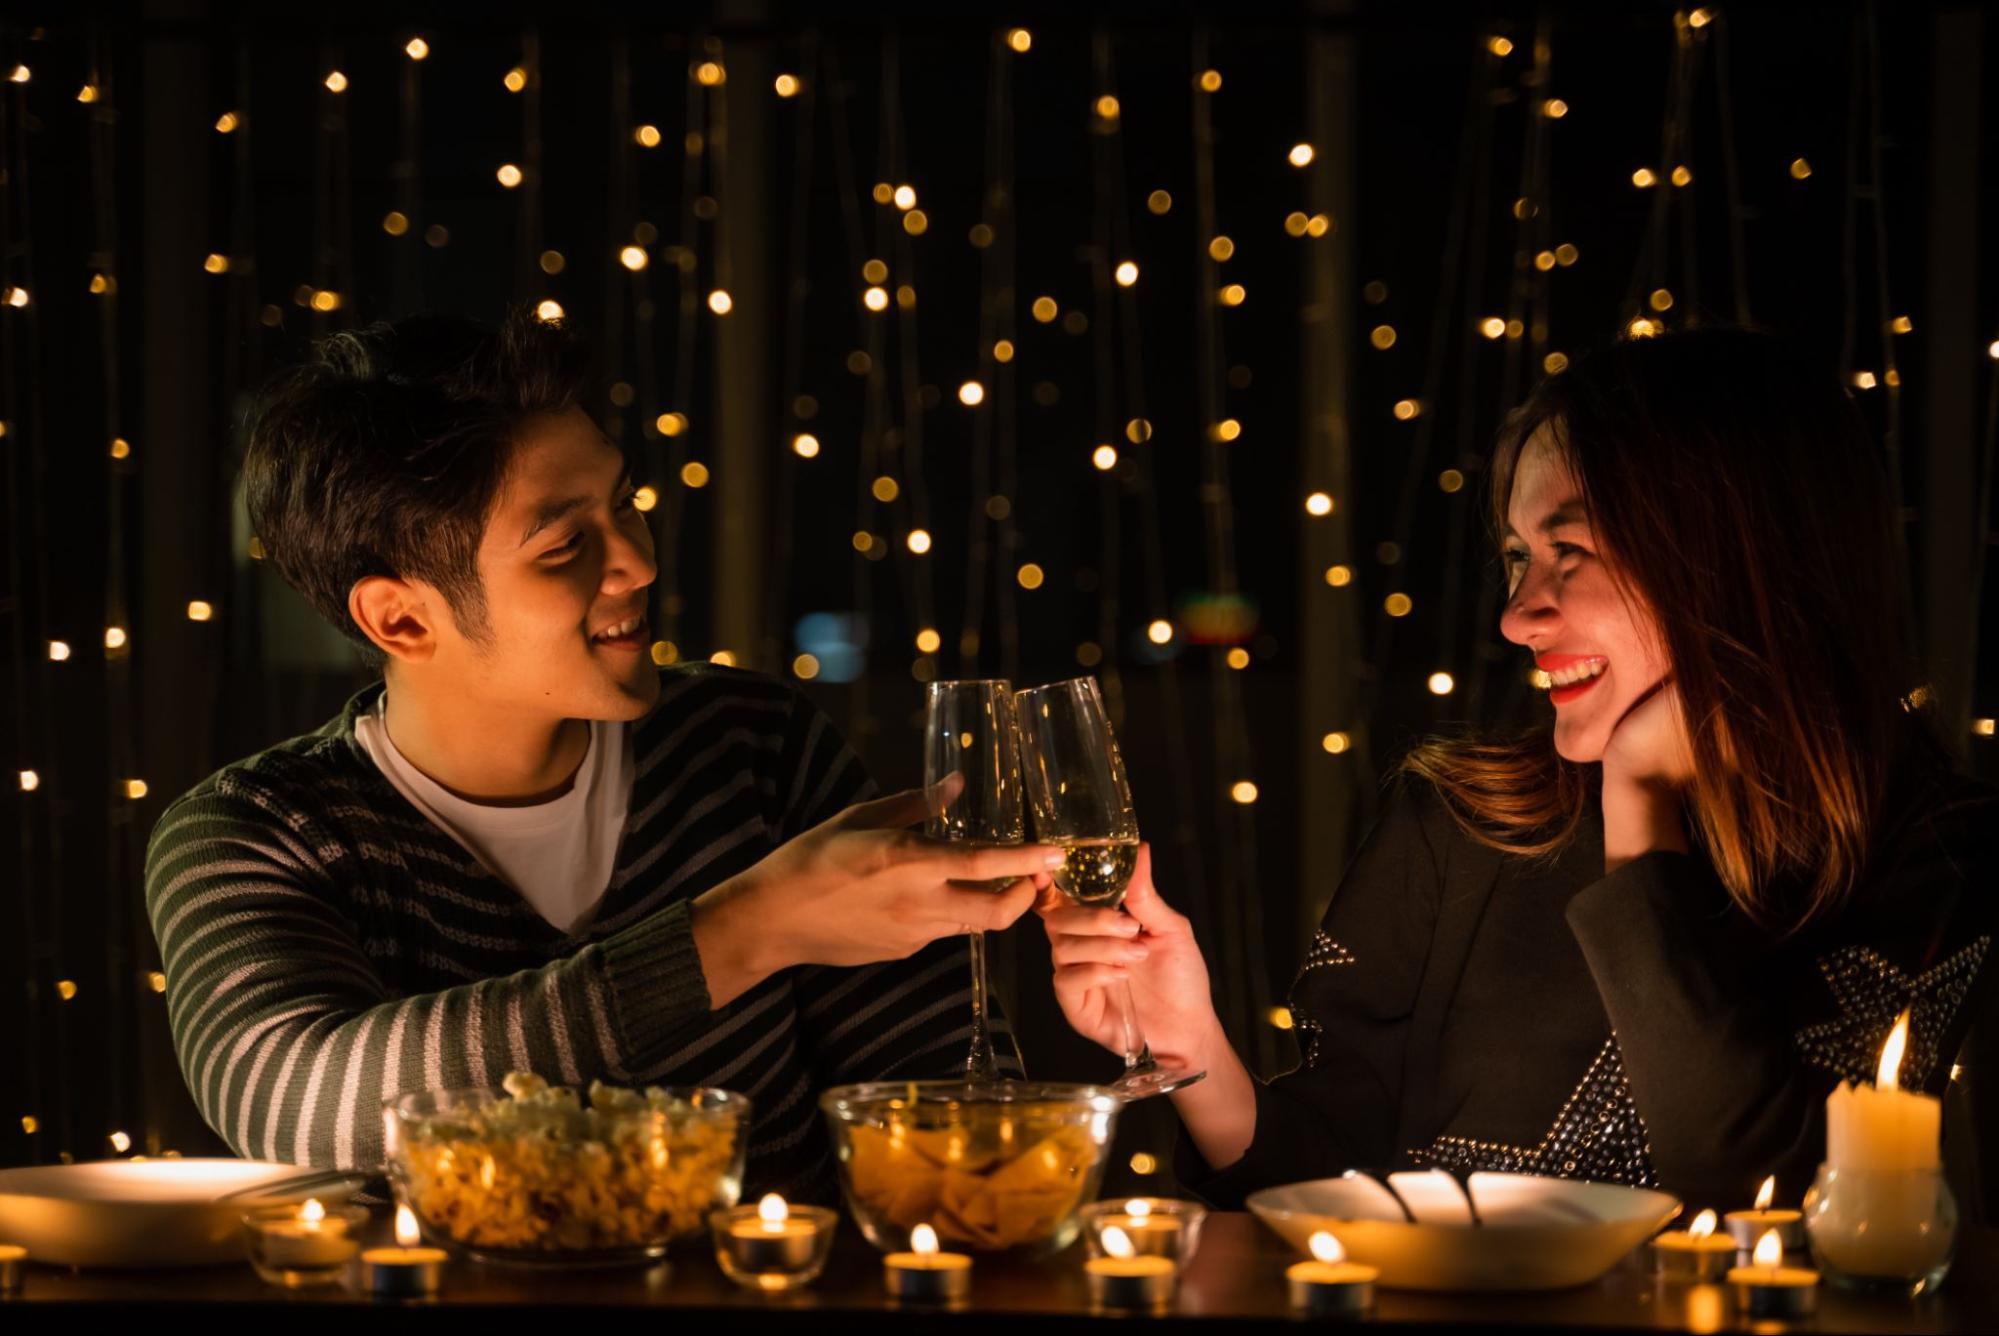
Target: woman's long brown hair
{"x":1737,"y":496}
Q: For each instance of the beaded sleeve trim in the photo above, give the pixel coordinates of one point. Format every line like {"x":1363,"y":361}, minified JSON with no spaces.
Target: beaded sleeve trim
{"x":1871,"y":992}
{"x":1598,"y":1135}
{"x":1324,"y":953}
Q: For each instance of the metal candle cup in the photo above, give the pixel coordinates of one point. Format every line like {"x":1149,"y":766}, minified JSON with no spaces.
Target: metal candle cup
{"x":297,"y":1246}
{"x":1747,"y":1227}
{"x":772,"y":1246}
{"x":1123,"y":1280}
{"x":405,"y":1271}
{"x":1768,"y":1289}
{"x":1696,"y":1253}
{"x":1329,"y":1285}
{"x":924,"y":1275}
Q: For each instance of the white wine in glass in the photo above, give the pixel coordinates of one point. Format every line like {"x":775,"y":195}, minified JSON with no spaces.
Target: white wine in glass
{"x":969,"y":731}
{"x":1077,"y":790}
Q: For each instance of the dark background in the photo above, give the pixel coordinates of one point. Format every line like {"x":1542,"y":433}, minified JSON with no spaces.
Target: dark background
{"x":1426,"y":140}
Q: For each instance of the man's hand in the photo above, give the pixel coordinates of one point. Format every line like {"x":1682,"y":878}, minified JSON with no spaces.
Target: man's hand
{"x":858,"y":888}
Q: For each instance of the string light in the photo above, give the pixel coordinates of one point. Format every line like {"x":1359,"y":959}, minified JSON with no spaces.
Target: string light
{"x":1555,"y":362}
{"x":1992,"y":350}
{"x":916,"y":222}
{"x":1127,"y":274}
{"x":1566,"y":255}
{"x":971,"y":394}
{"x":885,"y":489}
{"x":1045,"y":309}
{"x":884,"y":192}
{"x":1280,"y":1018}
{"x":200,"y":611}
{"x":1296,"y":222}
{"x":710,"y":74}
{"x":1800,"y":169}
{"x":1545,"y":261}
{"x":805,"y":667}
{"x":875,"y":299}
{"x":1138,"y":431}
{"x":1335,"y":743}
{"x":1211,"y":81}
{"x":1644,"y":178}
{"x":919,"y":542}
{"x":1382,"y":337}
{"x":115,"y":637}
{"x":1030,"y":576}
{"x":1020,"y":39}
{"x":336,"y":82}
{"x":645,"y":498}
{"x":156,"y":981}
{"x":786,"y":85}
{"x":1142,"y":1163}
{"x":1405,"y":409}
{"x":671,"y":424}
{"x":227,"y":122}
{"x":1339,"y":577}
{"x":509,"y":175}
{"x":1441,"y":684}
{"x":1003,"y":350}
{"x":135,"y":789}
{"x":1221,"y":248}
{"x":928,"y":641}
{"x":1318,"y":503}
{"x":905,"y":198}
{"x":1227,"y":429}
{"x":1641,"y":328}
{"x":120,"y":448}
{"x":19,"y":74}
{"x":980,"y":236}
{"x":1700,"y":18}
{"x":30,"y":781}
{"x":395,"y":223}
{"x":515,"y":79}
{"x":30,"y":1124}
{"x":14,"y":297}
{"x":1499,"y":46}
{"x":417,"y":48}
{"x":863,"y":541}
{"x":720,"y":302}
{"x":552,"y":262}
{"x":1104,"y":457}
{"x":1089,"y":654}
{"x":1682,"y":176}
{"x":1159,"y":202}
{"x":1160,"y":632}
{"x":694,"y":474}
{"x":66,"y":989}
{"x":1243,"y":792}
{"x":1398,"y":605}
{"x":633,"y":258}
{"x":1863,"y":380}
{"x":1982,"y":727}
{"x":1238,"y":658}
{"x":723,"y":657}
{"x":665,"y":652}
{"x":548,"y":311}
{"x":58,"y":651}
{"x":1107,"y":108}
{"x":1233,"y":295}
{"x":1554,"y":109}
{"x":805,"y":445}
{"x":1901,"y":324}
{"x":1451,"y":480}
{"x":1661,"y":299}
{"x":1318,"y":225}
{"x":89,"y":92}
{"x":1492,"y":327}
{"x":1300,"y":155}
{"x":646,"y":136}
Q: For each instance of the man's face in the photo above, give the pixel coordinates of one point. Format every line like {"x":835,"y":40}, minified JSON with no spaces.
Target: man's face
{"x":565,"y":558}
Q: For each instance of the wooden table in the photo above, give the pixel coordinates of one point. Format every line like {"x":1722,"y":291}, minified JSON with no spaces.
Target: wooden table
{"x":1235,"y":1282}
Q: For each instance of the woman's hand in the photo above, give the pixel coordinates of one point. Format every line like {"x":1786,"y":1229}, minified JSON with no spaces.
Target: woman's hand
{"x":1149,"y":945}
{"x":1647,"y":765}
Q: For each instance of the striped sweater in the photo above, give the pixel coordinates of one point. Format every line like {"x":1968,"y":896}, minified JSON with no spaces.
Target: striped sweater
{"x":327,"y":948}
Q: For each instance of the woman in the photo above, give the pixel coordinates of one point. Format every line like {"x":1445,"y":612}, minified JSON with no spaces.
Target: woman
{"x":1640,"y":944}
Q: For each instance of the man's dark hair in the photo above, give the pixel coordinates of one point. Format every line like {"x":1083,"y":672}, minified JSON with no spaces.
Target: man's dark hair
{"x":382,"y":454}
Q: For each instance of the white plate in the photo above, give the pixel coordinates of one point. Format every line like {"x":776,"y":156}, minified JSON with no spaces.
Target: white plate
{"x":1538,"y":1233}
{"x":129,"y":1213}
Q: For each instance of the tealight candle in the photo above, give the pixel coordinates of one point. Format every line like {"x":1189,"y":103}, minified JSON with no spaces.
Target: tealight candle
{"x":1694,"y":1253}
{"x":1329,"y":1285}
{"x":1747,"y":1227}
{"x":772,"y":1245}
{"x":1156,"y":1226}
{"x":1122,"y":1279}
{"x":404,"y":1271}
{"x":304,"y":1245}
{"x":925,"y":1275}
{"x":1769,"y":1289}
{"x":13,"y":1267}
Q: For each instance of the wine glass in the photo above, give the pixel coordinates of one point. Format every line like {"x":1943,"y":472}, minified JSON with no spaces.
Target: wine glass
{"x":1082,"y":804}
{"x":969,"y":730}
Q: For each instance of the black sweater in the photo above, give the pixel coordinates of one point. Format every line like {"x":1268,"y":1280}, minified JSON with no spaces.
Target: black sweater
{"x":1470,"y":1009}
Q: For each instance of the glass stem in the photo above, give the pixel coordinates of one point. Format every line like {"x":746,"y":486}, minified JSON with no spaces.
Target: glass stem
{"x":981,"y":1064}
{"x":1137,"y":1053}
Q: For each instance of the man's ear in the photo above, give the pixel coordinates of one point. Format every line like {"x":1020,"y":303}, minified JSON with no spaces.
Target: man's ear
{"x":396,"y":615}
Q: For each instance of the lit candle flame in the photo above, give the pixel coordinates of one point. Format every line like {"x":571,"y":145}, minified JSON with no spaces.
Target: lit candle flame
{"x":772,"y":1210}
{"x":1769,"y":1249}
{"x":1327,"y":1248}
{"x":1138,"y":1207}
{"x":923,"y":1240}
{"x":407,"y":1235}
{"x":1117,"y":1243}
{"x":1885,"y":1077}
{"x":1703,"y":1225}
{"x":312,"y":1212}
{"x":1767,"y":1193}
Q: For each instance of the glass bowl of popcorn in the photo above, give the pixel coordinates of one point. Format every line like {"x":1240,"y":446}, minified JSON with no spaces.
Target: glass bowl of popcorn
{"x":990,"y":1165}
{"x":546,"y":1175}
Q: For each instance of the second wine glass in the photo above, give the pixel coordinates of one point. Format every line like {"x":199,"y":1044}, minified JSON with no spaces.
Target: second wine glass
{"x":969,"y":731}
{"x":1081,"y":801}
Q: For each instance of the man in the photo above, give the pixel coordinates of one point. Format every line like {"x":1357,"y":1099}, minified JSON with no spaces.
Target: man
{"x":529,"y":848}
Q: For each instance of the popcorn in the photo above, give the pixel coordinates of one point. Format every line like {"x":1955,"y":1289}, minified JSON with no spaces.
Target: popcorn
{"x":541,"y":1171}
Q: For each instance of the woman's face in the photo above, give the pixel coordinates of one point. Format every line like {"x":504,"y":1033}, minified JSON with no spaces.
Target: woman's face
{"x":1564,"y":607}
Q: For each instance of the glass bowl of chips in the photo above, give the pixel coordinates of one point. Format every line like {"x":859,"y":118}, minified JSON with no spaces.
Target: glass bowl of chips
{"x":990,"y":1165}
{"x":545,"y":1175}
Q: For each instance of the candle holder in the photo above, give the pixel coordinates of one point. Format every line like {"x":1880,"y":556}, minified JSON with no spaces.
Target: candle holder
{"x":13,"y":1268}
{"x":1155,"y":1226}
{"x":1882,"y":1230}
{"x":297,"y":1249}
{"x":773,"y":1255}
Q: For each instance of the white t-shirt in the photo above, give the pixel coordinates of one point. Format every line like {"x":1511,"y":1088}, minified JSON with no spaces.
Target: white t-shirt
{"x":558,"y":854}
